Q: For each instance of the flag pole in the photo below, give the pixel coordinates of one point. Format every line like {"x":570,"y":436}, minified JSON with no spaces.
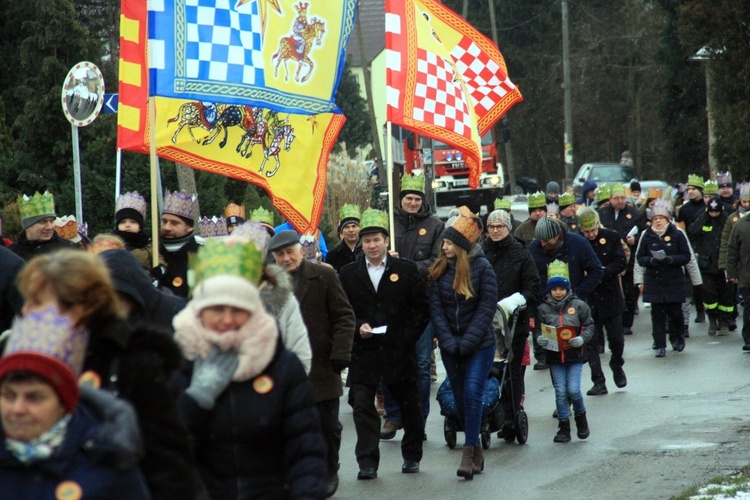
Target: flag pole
{"x":389,"y":163}
{"x":154,"y":183}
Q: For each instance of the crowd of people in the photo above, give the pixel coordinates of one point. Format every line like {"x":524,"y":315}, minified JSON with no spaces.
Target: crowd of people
{"x":211,"y":366}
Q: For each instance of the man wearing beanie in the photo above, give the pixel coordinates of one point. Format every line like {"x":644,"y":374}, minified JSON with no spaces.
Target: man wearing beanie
{"x":687,"y":214}
{"x":625,"y":219}
{"x":568,"y":211}
{"x":606,"y":301}
{"x":588,"y":194}
{"x":348,"y":249}
{"x":537,"y":210}
{"x":726,"y":191}
{"x":553,"y":242}
{"x":178,"y":240}
{"x":553,"y":192}
{"x":38,"y":235}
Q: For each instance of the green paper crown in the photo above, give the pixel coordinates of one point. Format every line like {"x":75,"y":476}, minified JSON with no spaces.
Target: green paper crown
{"x":372,"y":218}
{"x":349,"y":211}
{"x":711,"y":187}
{"x":587,"y":217}
{"x":502,"y":204}
{"x":538,"y":200}
{"x":226,"y":257}
{"x":413,"y":182}
{"x":603,"y":193}
{"x":616,"y":189}
{"x":39,"y":204}
{"x":695,"y":180}
{"x":557,"y":269}
{"x":566,"y":199}
{"x":262,"y":215}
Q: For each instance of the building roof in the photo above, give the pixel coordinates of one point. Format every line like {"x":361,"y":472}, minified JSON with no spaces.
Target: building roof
{"x":372,"y":19}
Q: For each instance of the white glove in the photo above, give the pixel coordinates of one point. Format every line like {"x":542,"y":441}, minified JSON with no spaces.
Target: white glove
{"x":542,"y":341}
{"x":575,"y":342}
{"x":510,"y":304}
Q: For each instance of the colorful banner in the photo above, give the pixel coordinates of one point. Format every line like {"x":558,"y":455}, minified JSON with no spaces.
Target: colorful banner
{"x":444,"y":79}
{"x":286,"y":55}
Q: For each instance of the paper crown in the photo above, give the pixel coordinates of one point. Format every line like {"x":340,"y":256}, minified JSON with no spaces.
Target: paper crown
{"x":104,"y":242}
{"x":553,"y":208}
{"x":38,"y":205}
{"x":310,"y":246}
{"x":566,"y":199}
{"x":413,"y":183}
{"x":587,"y":217}
{"x":234,"y":210}
{"x":710,"y":187}
{"x":132,"y":200}
{"x":465,"y":230}
{"x":66,"y":227}
{"x":348,"y":211}
{"x":373,"y":221}
{"x":502,"y":204}
{"x":255,"y":232}
{"x":616,"y":188}
{"x":654,"y":193}
{"x":603,"y":192}
{"x":745,"y":190}
{"x":179,"y":203}
{"x":262,"y":215}
{"x":662,"y":207}
{"x":557,"y":272}
{"x":695,"y":180}
{"x":226,"y":257}
{"x":537,"y":200}
{"x":724,"y":180}
{"x":214,"y":227}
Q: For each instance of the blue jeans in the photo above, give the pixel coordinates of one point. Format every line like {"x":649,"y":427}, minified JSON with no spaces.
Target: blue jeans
{"x":468,"y":374}
{"x":567,"y":381}
{"x":424,"y":358}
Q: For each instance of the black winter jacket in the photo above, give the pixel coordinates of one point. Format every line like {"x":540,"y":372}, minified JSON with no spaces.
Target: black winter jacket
{"x":418,"y":237}
{"x":705,"y":236}
{"x":11,"y":301}
{"x":607,"y":298}
{"x":27,"y":249}
{"x":664,"y":283}
{"x":175,"y":277}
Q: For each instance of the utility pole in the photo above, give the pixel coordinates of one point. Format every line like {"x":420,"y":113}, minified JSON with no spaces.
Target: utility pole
{"x":465,"y":10}
{"x":568,"y":138}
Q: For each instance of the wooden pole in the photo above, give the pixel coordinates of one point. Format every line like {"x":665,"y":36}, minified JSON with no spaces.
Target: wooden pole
{"x":154,"y":184}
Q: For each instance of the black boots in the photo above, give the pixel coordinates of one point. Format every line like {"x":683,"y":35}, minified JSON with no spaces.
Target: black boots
{"x":563,"y":431}
{"x":599,"y":389}
{"x":582,"y":426}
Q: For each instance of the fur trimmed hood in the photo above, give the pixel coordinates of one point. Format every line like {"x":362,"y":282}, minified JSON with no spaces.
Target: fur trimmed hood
{"x":275,"y":297}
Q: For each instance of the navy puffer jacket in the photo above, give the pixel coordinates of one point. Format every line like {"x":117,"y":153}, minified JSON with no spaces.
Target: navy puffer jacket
{"x":464,"y":326}
{"x":664,"y":283}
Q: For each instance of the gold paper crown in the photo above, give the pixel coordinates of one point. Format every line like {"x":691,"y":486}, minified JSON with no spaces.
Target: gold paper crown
{"x":413,"y":182}
{"x":502,"y":204}
{"x":558,"y":269}
{"x":262,"y":215}
{"x":537,"y":200}
{"x":234,"y":210}
{"x":603,"y":193}
{"x":566,"y":199}
{"x":616,"y":188}
{"x":37,"y":205}
{"x":695,"y":180}
{"x":373,"y":219}
{"x":467,"y":224}
{"x":587,"y":217}
{"x":231,"y":256}
{"x":654,"y":193}
{"x":349,"y":211}
{"x":710,"y":187}
{"x":66,"y":227}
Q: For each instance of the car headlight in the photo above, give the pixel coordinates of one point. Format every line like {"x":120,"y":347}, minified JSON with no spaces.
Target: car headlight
{"x":492,"y":181}
{"x":438,"y":184}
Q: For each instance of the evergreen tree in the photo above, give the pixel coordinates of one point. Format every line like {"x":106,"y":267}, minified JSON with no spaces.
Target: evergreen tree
{"x":356,"y":130}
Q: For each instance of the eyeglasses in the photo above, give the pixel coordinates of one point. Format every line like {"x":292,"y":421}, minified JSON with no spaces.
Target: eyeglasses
{"x":496,"y":227}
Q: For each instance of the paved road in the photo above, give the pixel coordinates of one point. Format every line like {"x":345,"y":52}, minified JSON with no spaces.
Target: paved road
{"x":681,"y":420}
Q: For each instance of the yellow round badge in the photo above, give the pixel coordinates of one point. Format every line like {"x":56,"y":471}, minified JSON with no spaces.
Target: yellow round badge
{"x":68,"y":490}
{"x":91,"y":379}
{"x":263,"y":384}
{"x":667,"y":238}
{"x":602,"y":241}
{"x":571,"y":310}
{"x":422,"y":232}
{"x":734,"y":219}
{"x":177,"y":282}
{"x":628,"y":216}
{"x":393,"y":277}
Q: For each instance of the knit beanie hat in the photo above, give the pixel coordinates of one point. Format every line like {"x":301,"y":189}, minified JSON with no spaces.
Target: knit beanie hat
{"x":465,"y":230}
{"x":715,"y":205}
{"x":553,"y":187}
{"x":547,"y":228}
{"x":558,"y":275}
{"x":500,"y":217}
{"x":226,"y":290}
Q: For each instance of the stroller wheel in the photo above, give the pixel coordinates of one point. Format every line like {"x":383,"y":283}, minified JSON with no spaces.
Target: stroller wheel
{"x":486,"y":439}
{"x":449,"y":431}
{"x":522,"y":427}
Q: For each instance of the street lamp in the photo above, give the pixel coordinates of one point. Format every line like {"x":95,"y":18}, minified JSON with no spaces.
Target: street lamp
{"x":704,"y":55}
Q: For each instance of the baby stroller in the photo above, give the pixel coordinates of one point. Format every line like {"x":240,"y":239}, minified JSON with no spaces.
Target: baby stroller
{"x":519,"y":430}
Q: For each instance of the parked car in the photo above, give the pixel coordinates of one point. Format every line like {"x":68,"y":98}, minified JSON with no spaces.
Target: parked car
{"x":611,"y":173}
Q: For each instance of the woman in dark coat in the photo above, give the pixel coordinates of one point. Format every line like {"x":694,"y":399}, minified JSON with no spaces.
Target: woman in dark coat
{"x":246,"y":400}
{"x":662,"y":251}
{"x":463,"y":296}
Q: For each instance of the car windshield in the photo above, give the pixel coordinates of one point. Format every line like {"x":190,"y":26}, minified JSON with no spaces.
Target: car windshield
{"x":614,"y":173}
{"x":486,"y":141}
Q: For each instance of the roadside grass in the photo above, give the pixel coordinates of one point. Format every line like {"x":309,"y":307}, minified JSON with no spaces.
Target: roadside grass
{"x":736,"y":485}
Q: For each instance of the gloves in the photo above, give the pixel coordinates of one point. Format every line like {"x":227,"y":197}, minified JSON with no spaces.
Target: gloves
{"x":575,"y":342}
{"x":542,"y":341}
{"x":510,"y":304}
{"x":159,"y":271}
{"x":339,"y":365}
{"x":211,"y":376}
{"x":656,"y":262}
{"x":668,"y":259}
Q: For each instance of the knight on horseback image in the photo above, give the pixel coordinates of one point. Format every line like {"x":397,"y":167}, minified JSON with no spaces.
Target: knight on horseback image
{"x":297,"y":46}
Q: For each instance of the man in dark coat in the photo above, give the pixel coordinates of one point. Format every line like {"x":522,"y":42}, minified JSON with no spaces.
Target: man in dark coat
{"x":622,"y":218}
{"x":38,"y":235}
{"x":178,"y":240}
{"x":390,"y":306}
{"x":606,"y":301}
{"x":11,"y":301}
{"x":330,"y":325}
{"x":726,"y":191}
{"x":688,"y":213}
{"x":348,"y":249}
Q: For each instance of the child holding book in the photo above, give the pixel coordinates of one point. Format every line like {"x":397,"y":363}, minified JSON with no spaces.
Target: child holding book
{"x":566,"y":326}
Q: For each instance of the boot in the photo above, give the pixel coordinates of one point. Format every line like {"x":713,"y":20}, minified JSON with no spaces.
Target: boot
{"x":712,"y":326}
{"x":723,"y":330}
{"x":478,"y":459}
{"x":466,"y":469}
{"x":582,"y":425}
{"x":563,"y":431}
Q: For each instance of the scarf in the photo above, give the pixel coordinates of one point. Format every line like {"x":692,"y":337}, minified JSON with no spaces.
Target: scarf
{"x":660,"y":232}
{"x":42,"y":447}
{"x":133,"y":240}
{"x":254,"y":342}
{"x":176,"y":244}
